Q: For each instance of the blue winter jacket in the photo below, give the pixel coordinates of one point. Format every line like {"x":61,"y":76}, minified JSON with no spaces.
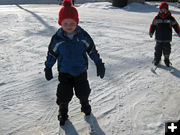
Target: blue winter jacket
{"x":71,"y":55}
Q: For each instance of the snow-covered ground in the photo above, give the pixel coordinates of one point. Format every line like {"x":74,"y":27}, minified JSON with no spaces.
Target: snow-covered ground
{"x":130,"y":100}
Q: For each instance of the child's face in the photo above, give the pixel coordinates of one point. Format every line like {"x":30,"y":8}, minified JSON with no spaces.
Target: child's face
{"x":163,"y":10}
{"x":68,"y":25}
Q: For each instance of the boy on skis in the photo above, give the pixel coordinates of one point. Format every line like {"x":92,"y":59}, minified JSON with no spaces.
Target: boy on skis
{"x":70,"y":46}
{"x":162,"y":26}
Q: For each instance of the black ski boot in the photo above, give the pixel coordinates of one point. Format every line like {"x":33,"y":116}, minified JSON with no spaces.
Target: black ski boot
{"x":167,"y":62}
{"x":86,"y":108}
{"x":156,"y":62}
{"x":63,"y":116}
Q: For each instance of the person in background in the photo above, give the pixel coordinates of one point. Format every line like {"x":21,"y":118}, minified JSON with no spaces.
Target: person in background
{"x":60,"y":2}
{"x":69,"y":47}
{"x":73,"y":2}
{"x":162,"y":26}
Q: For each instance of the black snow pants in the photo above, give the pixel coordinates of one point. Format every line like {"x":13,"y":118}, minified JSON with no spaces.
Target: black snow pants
{"x":162,"y":48}
{"x":67,"y":83}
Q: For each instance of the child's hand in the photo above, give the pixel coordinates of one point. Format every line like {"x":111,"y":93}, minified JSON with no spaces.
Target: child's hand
{"x":150,"y":34}
{"x":48,"y":73}
{"x":100,"y":69}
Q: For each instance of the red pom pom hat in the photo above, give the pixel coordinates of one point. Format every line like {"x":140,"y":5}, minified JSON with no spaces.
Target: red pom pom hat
{"x":68,"y":12}
{"x":164,"y":5}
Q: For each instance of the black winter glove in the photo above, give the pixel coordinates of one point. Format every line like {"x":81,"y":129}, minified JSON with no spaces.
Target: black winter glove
{"x":100,"y":69}
{"x":48,"y":73}
{"x":151,"y":35}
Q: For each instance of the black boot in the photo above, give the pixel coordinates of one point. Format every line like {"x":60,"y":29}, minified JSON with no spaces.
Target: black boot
{"x":63,"y":116}
{"x":85,"y":107}
{"x":156,"y":61}
{"x":167,"y":62}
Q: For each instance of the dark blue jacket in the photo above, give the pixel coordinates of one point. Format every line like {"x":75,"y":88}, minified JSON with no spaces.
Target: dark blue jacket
{"x":71,"y":55}
{"x":163,"y":28}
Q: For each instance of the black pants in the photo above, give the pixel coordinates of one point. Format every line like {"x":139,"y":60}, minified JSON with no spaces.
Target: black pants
{"x":67,"y":83}
{"x":162,"y":48}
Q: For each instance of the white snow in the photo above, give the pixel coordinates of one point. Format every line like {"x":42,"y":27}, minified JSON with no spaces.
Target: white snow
{"x":130,"y":100}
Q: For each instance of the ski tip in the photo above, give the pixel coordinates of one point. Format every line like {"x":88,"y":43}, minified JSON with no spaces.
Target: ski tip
{"x":171,"y":71}
{"x":153,"y":70}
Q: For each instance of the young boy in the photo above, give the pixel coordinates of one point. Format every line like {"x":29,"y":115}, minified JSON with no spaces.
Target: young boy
{"x":70,"y":46}
{"x":162,"y":26}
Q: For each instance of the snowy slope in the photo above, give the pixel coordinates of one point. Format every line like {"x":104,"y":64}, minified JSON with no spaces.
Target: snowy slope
{"x":130,"y":100}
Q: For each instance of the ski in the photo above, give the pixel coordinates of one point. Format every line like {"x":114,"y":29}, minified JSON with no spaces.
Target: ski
{"x":153,"y":69}
{"x":63,"y":130}
{"x":89,"y":120}
{"x":170,"y":68}
{"x":69,"y":128}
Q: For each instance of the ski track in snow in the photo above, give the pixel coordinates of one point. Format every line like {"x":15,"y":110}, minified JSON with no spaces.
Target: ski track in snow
{"x":130,"y":100}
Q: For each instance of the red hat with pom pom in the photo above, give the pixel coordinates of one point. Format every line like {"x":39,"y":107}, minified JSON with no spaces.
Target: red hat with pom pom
{"x":68,"y":12}
{"x":164,"y":5}
{"x":164,"y":14}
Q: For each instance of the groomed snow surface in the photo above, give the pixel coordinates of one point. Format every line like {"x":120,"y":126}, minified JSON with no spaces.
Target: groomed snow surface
{"x":130,"y":100}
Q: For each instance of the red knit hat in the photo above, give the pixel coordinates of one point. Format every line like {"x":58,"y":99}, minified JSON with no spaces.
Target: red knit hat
{"x":164,"y":5}
{"x":68,"y":12}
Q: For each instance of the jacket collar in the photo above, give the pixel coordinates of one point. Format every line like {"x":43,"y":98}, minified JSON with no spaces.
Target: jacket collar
{"x":163,"y":16}
{"x":61,"y":33}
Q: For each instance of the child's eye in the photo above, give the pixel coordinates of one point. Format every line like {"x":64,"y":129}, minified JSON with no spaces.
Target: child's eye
{"x":65,"y":24}
{"x":69,"y":24}
{"x":72,"y":24}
